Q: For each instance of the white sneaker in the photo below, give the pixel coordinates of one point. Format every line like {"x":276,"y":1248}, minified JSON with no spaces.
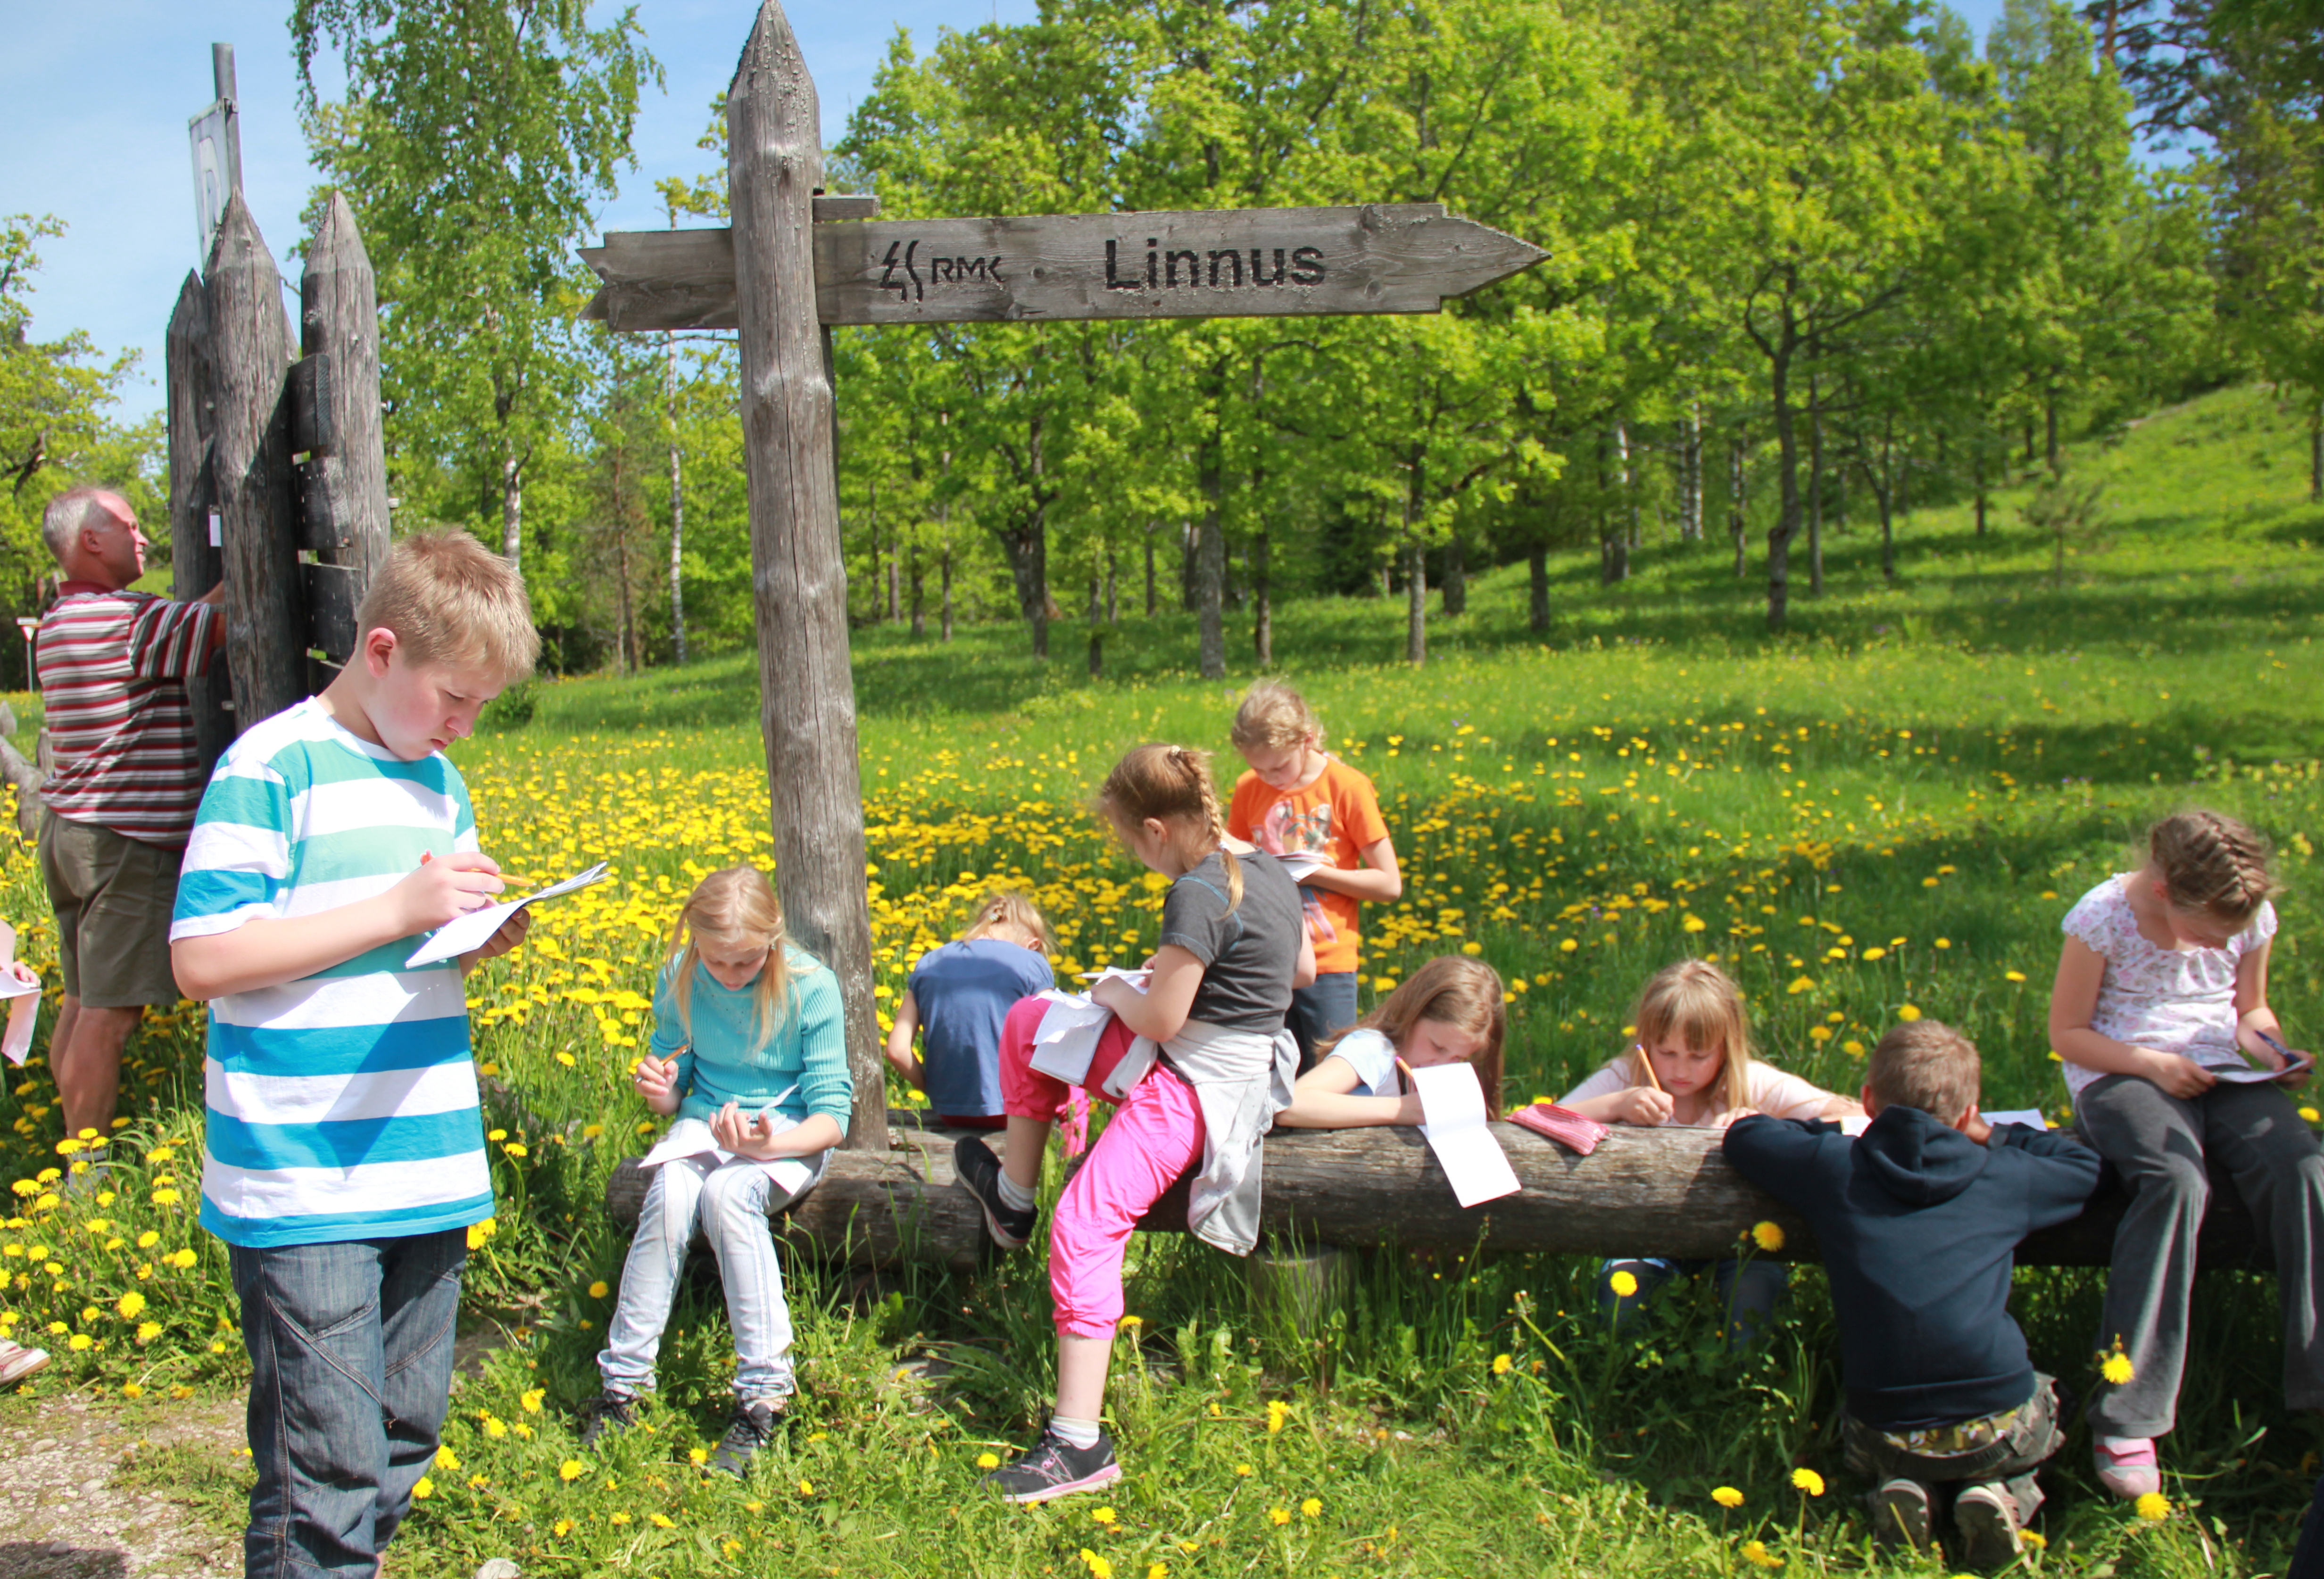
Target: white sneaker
{"x":17,"y":1362}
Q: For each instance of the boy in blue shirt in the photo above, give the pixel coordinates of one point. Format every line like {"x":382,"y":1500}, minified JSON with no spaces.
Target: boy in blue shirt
{"x":345,"y":1159}
{"x":1918,"y":1219}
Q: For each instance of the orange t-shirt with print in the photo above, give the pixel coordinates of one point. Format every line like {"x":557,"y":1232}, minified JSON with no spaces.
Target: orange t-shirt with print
{"x":1335,"y":817}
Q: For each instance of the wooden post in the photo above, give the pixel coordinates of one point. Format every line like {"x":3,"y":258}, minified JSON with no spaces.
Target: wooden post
{"x":343,"y":488}
{"x":196,"y":565}
{"x":807,"y":690}
{"x":250,"y":471}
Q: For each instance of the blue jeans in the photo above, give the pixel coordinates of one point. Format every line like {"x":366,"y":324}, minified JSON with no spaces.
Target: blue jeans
{"x":351,"y":1375}
{"x":1320,"y":1011}
{"x":1748,"y":1288}
{"x":730,"y":1205}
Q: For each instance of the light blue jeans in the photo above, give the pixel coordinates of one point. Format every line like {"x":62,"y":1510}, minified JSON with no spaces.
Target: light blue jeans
{"x":730,"y":1205}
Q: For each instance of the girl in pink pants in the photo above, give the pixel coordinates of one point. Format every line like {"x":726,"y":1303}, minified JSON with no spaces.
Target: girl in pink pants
{"x":1202,"y":1066}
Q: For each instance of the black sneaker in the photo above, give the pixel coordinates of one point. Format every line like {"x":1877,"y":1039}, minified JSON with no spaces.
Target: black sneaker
{"x":608,"y":1411}
{"x":980,"y":1175}
{"x":753,"y":1426}
{"x":1987,"y":1517}
{"x":1055,"y":1468}
{"x":1900,"y":1515}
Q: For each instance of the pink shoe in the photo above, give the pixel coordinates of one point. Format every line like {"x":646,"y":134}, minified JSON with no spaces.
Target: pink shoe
{"x":2129,"y":1472}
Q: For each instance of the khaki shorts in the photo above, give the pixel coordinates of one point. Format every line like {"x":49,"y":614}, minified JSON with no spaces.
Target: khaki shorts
{"x":113,"y":896}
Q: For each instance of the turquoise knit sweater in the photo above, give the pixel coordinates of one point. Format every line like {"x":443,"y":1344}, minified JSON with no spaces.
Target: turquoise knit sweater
{"x":801,"y":1069}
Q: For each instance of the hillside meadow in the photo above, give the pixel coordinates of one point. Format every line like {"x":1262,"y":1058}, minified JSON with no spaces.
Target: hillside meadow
{"x":1880,"y":816}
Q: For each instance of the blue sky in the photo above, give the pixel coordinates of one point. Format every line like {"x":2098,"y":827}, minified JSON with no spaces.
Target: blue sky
{"x":99,"y":91}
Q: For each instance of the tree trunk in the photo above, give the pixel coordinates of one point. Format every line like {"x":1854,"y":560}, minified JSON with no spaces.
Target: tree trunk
{"x":511,"y":503}
{"x":1881,"y":491}
{"x":1787,"y":474}
{"x":1263,"y":591}
{"x":1976,"y":486}
{"x":1190,"y":541}
{"x":1629,"y":480}
{"x":774,"y":162}
{"x":2049,"y":427}
{"x":2316,"y":453}
{"x":1096,"y":598}
{"x":1152,"y":607}
{"x":1690,"y":473}
{"x":1738,"y":525}
{"x":676,"y":515}
{"x":1457,"y":577}
{"x":1815,"y":489}
{"x":1113,"y":602}
{"x":945,"y":572}
{"x":920,"y":608}
{"x":1416,"y":575}
{"x":1613,"y":562}
{"x":1212,"y":566}
{"x":1538,"y":578}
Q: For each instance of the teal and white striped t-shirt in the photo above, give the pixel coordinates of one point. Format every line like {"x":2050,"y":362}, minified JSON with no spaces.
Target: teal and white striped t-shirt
{"x":342,"y":1105}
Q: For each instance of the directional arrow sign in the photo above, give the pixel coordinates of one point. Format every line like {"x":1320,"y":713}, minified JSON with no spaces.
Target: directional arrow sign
{"x":1237,"y":263}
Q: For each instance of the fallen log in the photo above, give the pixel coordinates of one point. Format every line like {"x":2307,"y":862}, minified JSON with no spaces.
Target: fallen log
{"x":1642,"y":1192}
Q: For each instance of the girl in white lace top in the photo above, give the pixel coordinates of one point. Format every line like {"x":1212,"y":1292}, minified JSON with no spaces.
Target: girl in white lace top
{"x":2161,"y":1016}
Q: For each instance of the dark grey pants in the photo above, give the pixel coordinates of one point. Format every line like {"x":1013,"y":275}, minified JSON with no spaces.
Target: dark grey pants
{"x":2161,"y":1145}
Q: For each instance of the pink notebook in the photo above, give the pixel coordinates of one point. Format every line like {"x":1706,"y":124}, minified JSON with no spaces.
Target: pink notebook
{"x":1561,"y":1124}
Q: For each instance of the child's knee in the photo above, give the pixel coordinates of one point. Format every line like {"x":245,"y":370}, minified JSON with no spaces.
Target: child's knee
{"x":735,"y":1200}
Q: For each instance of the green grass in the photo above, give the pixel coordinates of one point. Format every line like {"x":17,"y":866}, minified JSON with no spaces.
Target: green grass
{"x":1891,"y":805}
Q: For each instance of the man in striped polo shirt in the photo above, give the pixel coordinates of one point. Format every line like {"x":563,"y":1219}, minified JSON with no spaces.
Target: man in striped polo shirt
{"x":120,"y":801}
{"x":344,"y":1158}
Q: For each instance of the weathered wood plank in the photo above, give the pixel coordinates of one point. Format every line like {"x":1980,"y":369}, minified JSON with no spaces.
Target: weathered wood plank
{"x":343,"y":491}
{"x":332,"y":592}
{"x":195,"y":564}
{"x":807,"y":690}
{"x":312,"y":427}
{"x":838,"y":205}
{"x":1642,"y":1192}
{"x":1246,"y":263}
{"x":249,"y":469}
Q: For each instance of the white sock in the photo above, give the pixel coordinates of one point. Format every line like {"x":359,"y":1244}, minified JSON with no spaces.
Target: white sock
{"x":1017,"y":1198}
{"x":1074,"y":1433}
{"x":2124,"y":1444}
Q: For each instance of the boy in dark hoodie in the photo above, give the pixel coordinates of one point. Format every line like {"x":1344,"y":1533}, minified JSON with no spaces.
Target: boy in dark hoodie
{"x":1918,"y":1220}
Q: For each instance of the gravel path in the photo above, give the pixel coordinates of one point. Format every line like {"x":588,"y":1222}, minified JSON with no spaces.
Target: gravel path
{"x":78,"y":1498}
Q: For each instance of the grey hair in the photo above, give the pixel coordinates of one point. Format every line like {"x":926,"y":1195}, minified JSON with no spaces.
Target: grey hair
{"x":68,"y":513}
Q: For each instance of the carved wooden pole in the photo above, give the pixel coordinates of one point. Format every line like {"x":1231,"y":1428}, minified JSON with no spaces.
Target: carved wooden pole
{"x":342,"y":487}
{"x":195,"y":563}
{"x":774,"y":162}
{"x":250,"y":471}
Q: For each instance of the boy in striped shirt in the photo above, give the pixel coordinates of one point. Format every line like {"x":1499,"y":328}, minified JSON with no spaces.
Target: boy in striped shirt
{"x":345,"y":1159}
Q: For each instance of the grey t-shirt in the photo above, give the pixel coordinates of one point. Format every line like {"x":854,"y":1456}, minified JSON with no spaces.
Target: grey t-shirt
{"x":1249,"y":952}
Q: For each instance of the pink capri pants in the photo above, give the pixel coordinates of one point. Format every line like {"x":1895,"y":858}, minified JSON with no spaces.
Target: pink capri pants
{"x":1156,"y":1136}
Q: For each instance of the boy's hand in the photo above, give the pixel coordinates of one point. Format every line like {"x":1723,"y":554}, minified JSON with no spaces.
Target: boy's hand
{"x":442,"y":888}
{"x":1643,"y":1105}
{"x":2178,"y":1076}
{"x":512,"y":933}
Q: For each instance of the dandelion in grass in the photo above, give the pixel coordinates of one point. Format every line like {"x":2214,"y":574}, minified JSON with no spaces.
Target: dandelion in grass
{"x":2033,"y":1540}
{"x":2310,"y":1116}
{"x":1106,"y":1516}
{"x":1279,"y":1516}
{"x":754,"y":1507}
{"x":697,"y":1456}
{"x":1099,"y":1567}
{"x":2117,"y":1369}
{"x":424,"y":1488}
{"x":1756,"y":1552}
{"x":2154,"y":1507}
{"x":532,"y":1400}
{"x":1907,"y":1012}
{"x":131,"y":1389}
{"x":620,"y":1519}
{"x":571,"y":1470}
{"x":1311,"y":1507}
{"x":1278,"y":1412}
{"x":598,"y":1290}
{"x":1244,"y":1469}
{"x":1808,"y":1481}
{"x":561,"y":1529}
{"x":662,"y":1522}
{"x":1767,"y":1236}
{"x":1501,"y":1365}
{"x":130,"y":1305}
{"x":988,"y":1461}
{"x":495,"y":1427}
{"x":807,"y":1487}
{"x":1157,"y":1571}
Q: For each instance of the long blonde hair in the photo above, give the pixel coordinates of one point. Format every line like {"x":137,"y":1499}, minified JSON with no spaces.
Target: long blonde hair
{"x":1008,"y":911}
{"x":1452,"y":990}
{"x":2211,"y":864}
{"x":735,"y":905}
{"x":1172,"y":785}
{"x":1700,"y":1005}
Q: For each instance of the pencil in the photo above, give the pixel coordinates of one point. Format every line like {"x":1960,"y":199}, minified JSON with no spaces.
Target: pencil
{"x":1646,"y":1062}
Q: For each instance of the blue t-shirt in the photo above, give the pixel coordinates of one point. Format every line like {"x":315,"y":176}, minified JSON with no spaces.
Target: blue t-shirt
{"x":1373,"y":1058}
{"x":964,"y":991}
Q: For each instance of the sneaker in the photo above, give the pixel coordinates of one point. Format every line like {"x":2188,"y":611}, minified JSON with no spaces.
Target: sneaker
{"x":754,"y":1425}
{"x":1900,"y":1515}
{"x":2129,"y":1472}
{"x":980,"y":1175}
{"x":1986,"y":1517}
{"x":17,"y":1362}
{"x":608,"y":1411}
{"x":1055,"y":1468}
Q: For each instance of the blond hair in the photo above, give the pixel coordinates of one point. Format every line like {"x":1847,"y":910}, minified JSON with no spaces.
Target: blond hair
{"x":1700,"y":1004}
{"x":1275,"y":717}
{"x":1171,"y":784}
{"x":1928,"y":1065}
{"x":1008,"y":911}
{"x":736,"y":905}
{"x":2211,"y":864}
{"x":452,"y":601}
{"x":1452,"y":990}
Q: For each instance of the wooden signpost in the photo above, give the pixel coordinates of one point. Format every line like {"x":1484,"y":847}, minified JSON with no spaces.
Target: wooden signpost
{"x":781,"y":278}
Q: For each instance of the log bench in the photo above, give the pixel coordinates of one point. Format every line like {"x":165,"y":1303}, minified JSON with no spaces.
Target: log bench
{"x":1642,"y":1192}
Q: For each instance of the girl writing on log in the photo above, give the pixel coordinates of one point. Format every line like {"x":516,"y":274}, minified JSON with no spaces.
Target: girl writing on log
{"x":956,"y":999}
{"x":1449,"y":1011}
{"x":749,"y":1051}
{"x":1208,"y":1070}
{"x":1689,"y":1063}
{"x":2162,"y":993}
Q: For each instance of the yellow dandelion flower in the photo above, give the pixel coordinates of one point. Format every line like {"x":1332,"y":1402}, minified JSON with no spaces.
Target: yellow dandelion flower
{"x":1756,"y":1553}
{"x":619,"y":1519}
{"x":130,"y":1305}
{"x":807,"y":1487}
{"x":147,"y":1239}
{"x":2033,"y":1540}
{"x":988,"y":1461}
{"x":2310,"y":1116}
{"x":598,"y":1290}
{"x":1313,"y":1506}
{"x":131,"y":1389}
{"x":662,"y":1522}
{"x":147,"y":1331}
{"x":1278,"y":1412}
{"x":1279,"y":1516}
{"x":424,"y":1490}
{"x":495,"y":1427}
{"x":2154,"y":1507}
{"x":80,"y":1342}
{"x":1105,"y":1516}
{"x":532,"y":1399}
{"x":1767,"y":1236}
{"x":1727,"y":1497}
{"x":1624,"y":1284}
{"x":1100,"y":1567}
{"x":447,"y":1460}
{"x":1808,"y":1481}
{"x":571,"y":1470}
{"x":1907,"y":1012}
{"x":697,"y":1456}
{"x":2117,"y":1369}
{"x":1244,"y":1469}
{"x":561,"y":1529}
{"x":1157,"y":1571}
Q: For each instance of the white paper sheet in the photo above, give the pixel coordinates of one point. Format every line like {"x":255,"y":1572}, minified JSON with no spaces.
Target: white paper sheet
{"x":2251,"y":1075}
{"x":23,"y":1015}
{"x":2030,"y":1117}
{"x":690,"y":1138}
{"x":1300,"y":863}
{"x":1452,"y":1104}
{"x":1138,"y":979}
{"x":1066,"y":1039}
{"x":475,"y":929}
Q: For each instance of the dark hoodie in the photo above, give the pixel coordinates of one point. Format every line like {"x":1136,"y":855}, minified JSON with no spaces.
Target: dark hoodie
{"x":1919,"y":1225}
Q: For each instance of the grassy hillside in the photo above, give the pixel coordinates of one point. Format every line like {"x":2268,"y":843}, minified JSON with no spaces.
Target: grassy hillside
{"x":1883,"y":811}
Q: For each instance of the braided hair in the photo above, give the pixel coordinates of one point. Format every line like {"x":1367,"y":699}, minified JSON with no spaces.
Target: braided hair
{"x":2212,"y":864}
{"x":1172,"y":785}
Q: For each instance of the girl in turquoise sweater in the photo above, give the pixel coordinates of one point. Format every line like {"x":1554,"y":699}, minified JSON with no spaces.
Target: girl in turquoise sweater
{"x":750,"y":1052}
